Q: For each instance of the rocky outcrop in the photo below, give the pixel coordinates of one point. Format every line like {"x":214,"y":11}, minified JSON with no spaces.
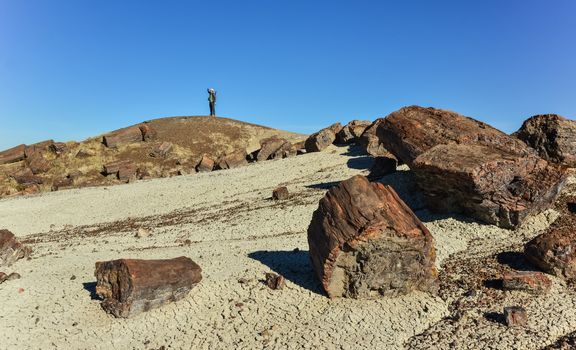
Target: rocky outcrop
{"x":554,"y":250}
{"x":490,"y":184}
{"x":366,"y":242}
{"x":352,"y":131}
{"x":11,"y":250}
{"x":14,"y":154}
{"x":275,"y":147}
{"x":206,"y":164}
{"x":232,"y":160}
{"x":552,"y":136}
{"x":463,"y":165}
{"x":130,"y":286}
{"x":322,"y":139}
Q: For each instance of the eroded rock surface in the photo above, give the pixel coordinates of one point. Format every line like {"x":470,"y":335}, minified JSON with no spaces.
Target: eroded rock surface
{"x":366,"y":242}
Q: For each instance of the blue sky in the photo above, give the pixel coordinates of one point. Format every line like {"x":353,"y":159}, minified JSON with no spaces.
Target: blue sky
{"x":73,"y":69}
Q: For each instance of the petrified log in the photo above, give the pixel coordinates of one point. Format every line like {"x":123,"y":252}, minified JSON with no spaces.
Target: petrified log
{"x":352,"y":131}
{"x":26,"y":177}
{"x":490,"y":184}
{"x":42,"y":147}
{"x":59,"y":147}
{"x":10,"y":249}
{"x":280,"y":193}
{"x":515,"y":316}
{"x":275,"y":281}
{"x":411,"y":131}
{"x":148,"y":133}
{"x":275,"y":147}
{"x":37,"y":163}
{"x":205,"y":164}
{"x":553,"y":251}
{"x":161,"y":150}
{"x":320,"y":140}
{"x":130,"y":286}
{"x":370,"y":143}
{"x":365,"y":242}
{"x":552,"y":136}
{"x":14,"y":154}
{"x":232,"y":160}
{"x":124,"y":170}
{"x":123,"y":136}
{"x":527,"y":281}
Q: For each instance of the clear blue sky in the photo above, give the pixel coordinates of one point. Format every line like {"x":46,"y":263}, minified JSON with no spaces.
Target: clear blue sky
{"x":72,"y":69}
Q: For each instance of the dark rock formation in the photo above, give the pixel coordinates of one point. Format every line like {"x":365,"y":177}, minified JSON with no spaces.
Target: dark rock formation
{"x":14,"y":154}
{"x":352,"y":131}
{"x":11,"y":250}
{"x":552,"y":136}
{"x":130,"y":287}
{"x":366,"y":242}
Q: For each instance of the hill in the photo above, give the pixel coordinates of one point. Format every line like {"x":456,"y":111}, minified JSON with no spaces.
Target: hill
{"x":155,"y":148}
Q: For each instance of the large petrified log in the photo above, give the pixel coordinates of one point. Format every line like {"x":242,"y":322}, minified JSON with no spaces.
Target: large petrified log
{"x":352,"y":131}
{"x":275,"y":147}
{"x":130,"y":286}
{"x":554,"y":251}
{"x":14,"y":154}
{"x":206,"y":164}
{"x":463,"y":165}
{"x":322,"y":139}
{"x":232,"y":160}
{"x":370,"y":142}
{"x":411,"y":131}
{"x":365,"y":242}
{"x":122,"y":136}
{"x":10,"y":249}
{"x":552,"y":136}
{"x":487,"y":183}
{"x":124,"y":170}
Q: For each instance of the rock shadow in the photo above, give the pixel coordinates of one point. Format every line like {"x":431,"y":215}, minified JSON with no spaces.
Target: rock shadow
{"x":294,"y":265}
{"x":495,"y":317}
{"x":364,"y":162}
{"x":323,"y":185}
{"x":514,"y":260}
{"x":91,"y":288}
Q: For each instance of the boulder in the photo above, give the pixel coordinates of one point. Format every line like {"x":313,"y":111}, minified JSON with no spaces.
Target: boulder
{"x":552,"y":136}
{"x":370,"y":143}
{"x":366,"y":242}
{"x":527,"y":281}
{"x":275,"y":147}
{"x":554,"y":251}
{"x":123,"y":136}
{"x":11,"y":250}
{"x":130,"y":286}
{"x":352,"y":131}
{"x":492,"y":185}
{"x":232,"y":160}
{"x":320,"y":140}
{"x":205,"y":164}
{"x":411,"y":131}
{"x":14,"y":154}
{"x":280,"y":193}
{"x":161,"y":150}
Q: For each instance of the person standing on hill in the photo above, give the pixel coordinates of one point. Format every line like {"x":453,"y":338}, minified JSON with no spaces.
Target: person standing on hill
{"x":212,"y":101}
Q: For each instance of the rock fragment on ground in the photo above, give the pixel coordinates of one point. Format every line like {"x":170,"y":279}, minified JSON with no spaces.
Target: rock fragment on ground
{"x":365,"y":242}
{"x":161,"y":150}
{"x":232,"y":160}
{"x":11,"y":250}
{"x":130,"y":286}
{"x":515,"y":316}
{"x":206,"y":164}
{"x":552,"y":136}
{"x":280,"y":193}
{"x":527,"y":281}
{"x":275,"y":281}
{"x":274,"y":148}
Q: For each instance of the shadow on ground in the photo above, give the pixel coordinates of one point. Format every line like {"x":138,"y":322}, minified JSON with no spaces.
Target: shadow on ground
{"x":515,"y":260}
{"x":91,"y":288}
{"x":294,"y":265}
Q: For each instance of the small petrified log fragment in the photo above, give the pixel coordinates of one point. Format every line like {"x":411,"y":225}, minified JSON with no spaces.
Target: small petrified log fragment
{"x":130,"y":286}
{"x":322,"y":139}
{"x":515,"y":316}
{"x":527,"y":281}
{"x":366,"y":242}
{"x":62,"y":184}
{"x":161,"y":150}
{"x":554,"y":251}
{"x":14,"y":154}
{"x":490,"y":184}
{"x":280,"y":193}
{"x":232,"y":160}
{"x":122,"y":169}
{"x":10,"y":249}
{"x":123,"y":136}
{"x":352,"y":131}
{"x":274,"y":281}
{"x":37,"y":163}
{"x":552,"y":136}
{"x":206,"y":164}
{"x":148,"y":133}
{"x":26,"y":177}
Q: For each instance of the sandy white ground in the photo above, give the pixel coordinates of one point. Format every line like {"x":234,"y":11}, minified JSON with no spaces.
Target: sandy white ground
{"x":226,"y":222}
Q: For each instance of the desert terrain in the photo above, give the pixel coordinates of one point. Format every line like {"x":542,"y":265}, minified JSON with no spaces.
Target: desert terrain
{"x":227,"y":223}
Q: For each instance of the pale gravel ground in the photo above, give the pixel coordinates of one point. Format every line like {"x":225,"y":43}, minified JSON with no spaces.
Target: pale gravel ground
{"x":235,"y":232}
